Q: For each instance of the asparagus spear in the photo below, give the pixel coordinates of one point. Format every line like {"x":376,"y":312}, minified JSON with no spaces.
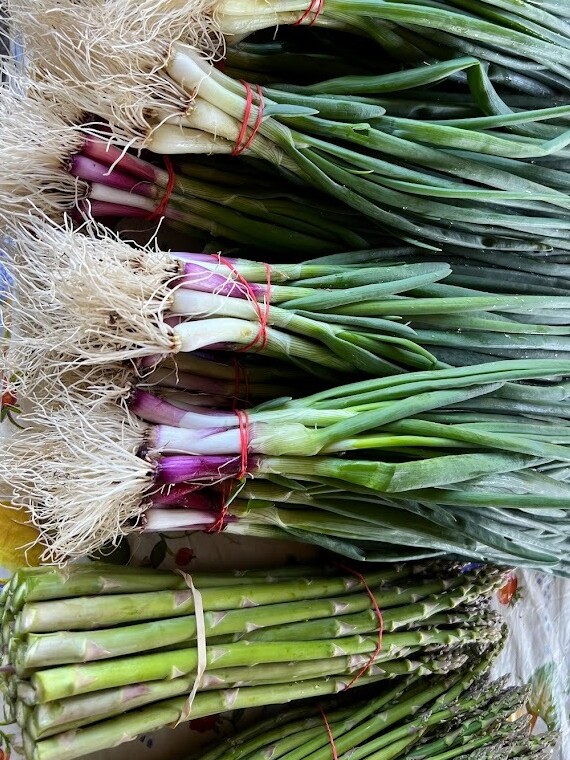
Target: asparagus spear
{"x":69,"y":680}
{"x":34,"y":584}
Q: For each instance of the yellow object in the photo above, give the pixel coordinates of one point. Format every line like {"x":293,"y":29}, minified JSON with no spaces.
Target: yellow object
{"x":15,"y":536}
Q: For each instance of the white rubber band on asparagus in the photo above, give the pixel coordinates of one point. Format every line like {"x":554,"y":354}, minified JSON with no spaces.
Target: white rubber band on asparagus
{"x":200,"y":646}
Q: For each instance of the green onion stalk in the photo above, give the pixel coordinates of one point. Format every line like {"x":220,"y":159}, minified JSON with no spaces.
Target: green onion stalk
{"x":446,"y":107}
{"x":63,"y":170}
{"x":300,"y":58}
{"x":429,"y":184}
{"x":94,"y":659}
{"x":412,"y":454}
{"x":480,"y":271}
{"x":411,"y":96}
{"x":311,"y":55}
{"x":472,"y":719}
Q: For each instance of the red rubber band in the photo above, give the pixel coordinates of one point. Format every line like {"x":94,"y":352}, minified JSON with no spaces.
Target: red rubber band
{"x":330,"y":735}
{"x":247,"y":113}
{"x":378,"y":612}
{"x":267,"y":303}
{"x":243,"y":143}
{"x":258,"y":120}
{"x":244,"y":439}
{"x":160,"y":210}
{"x":260,"y":340}
{"x":316,"y":8}
{"x":220,"y":523}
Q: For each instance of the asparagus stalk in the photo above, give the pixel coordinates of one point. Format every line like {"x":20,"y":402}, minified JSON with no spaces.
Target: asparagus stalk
{"x":68,"y":680}
{"x":96,"y":578}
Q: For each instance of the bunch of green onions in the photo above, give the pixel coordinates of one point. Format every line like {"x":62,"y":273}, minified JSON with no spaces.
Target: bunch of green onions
{"x":61,"y":169}
{"x":96,"y":655}
{"x":413,"y":455}
{"x":425,"y":452}
{"x":456,"y":178}
{"x":94,"y":299}
{"x":526,"y":42}
{"x":83,"y":289}
{"x":243,"y":207}
{"x":437,"y":718}
{"x":435,"y":185}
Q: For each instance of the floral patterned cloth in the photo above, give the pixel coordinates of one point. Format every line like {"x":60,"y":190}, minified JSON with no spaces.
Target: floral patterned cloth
{"x":538,"y":648}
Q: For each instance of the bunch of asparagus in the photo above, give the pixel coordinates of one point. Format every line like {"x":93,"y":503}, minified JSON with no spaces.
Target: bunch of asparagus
{"x":457,"y":715}
{"x":87,"y":647}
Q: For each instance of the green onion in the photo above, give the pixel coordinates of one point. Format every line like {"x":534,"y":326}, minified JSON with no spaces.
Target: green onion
{"x":378,"y":316}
